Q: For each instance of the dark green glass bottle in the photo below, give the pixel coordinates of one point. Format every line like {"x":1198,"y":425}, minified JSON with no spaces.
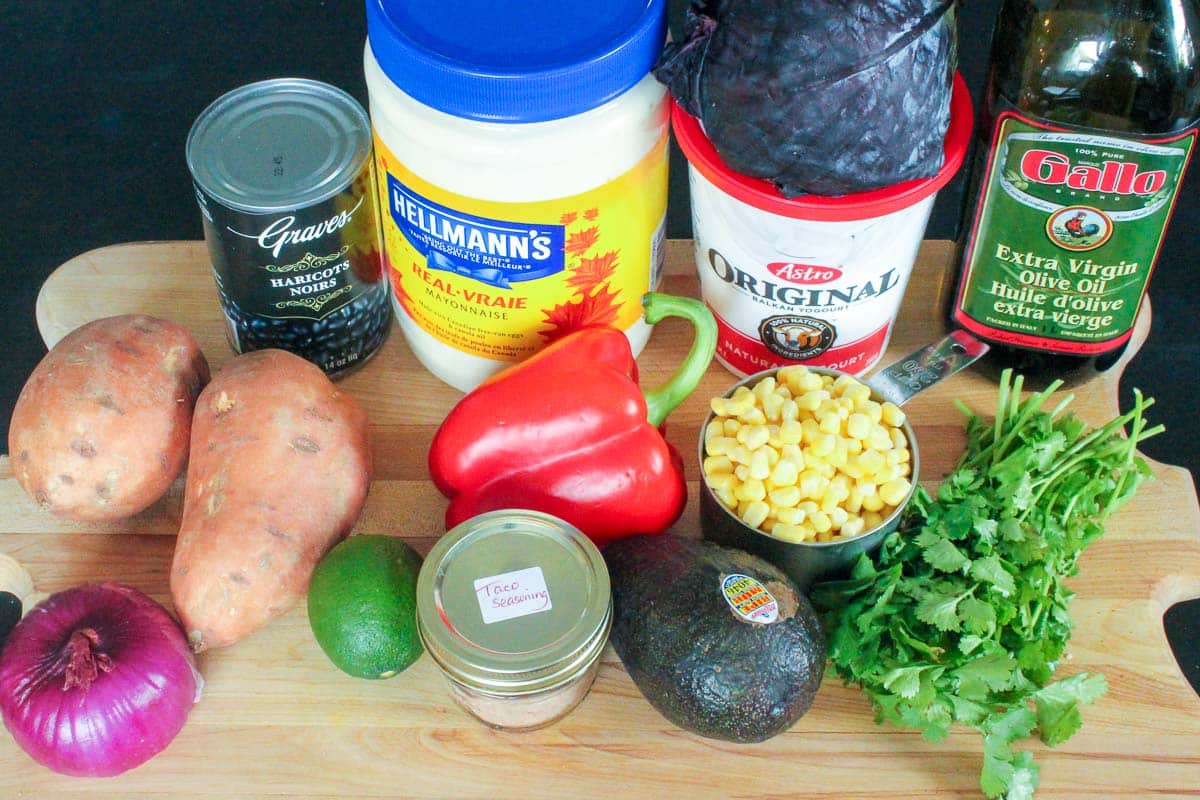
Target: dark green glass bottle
{"x":1088,"y":122}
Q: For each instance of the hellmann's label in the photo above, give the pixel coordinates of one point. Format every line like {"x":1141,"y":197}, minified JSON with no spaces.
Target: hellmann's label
{"x":500,"y":280}
{"x":1066,"y":234}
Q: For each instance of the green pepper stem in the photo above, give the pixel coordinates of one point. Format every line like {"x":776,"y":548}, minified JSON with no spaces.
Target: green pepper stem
{"x":662,"y":401}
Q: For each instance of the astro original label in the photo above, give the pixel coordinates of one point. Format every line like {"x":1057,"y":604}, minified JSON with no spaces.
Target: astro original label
{"x":749,"y":599}
{"x":500,"y":280}
{"x":513,"y":594}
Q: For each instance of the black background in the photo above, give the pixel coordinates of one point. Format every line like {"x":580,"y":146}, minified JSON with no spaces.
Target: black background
{"x":98,"y":97}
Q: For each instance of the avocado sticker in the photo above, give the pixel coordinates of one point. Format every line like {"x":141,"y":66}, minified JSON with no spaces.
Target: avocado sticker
{"x":749,"y":599}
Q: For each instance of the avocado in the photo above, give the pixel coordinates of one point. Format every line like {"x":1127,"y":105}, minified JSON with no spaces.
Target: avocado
{"x":719,"y":641}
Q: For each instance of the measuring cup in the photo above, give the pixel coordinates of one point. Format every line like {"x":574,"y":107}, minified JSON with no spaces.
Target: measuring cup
{"x":807,"y":562}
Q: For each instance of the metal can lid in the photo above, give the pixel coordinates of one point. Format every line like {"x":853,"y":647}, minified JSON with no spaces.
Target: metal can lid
{"x":278,"y":144}
{"x":514,"y":601}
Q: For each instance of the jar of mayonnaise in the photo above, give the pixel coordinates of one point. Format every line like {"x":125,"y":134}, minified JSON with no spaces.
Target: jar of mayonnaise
{"x":522,"y":171}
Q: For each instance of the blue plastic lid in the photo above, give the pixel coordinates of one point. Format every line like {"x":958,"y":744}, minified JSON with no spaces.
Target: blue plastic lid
{"x":527,"y":61}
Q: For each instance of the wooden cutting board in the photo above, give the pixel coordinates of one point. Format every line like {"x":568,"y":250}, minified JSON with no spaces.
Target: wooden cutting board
{"x":278,"y":719}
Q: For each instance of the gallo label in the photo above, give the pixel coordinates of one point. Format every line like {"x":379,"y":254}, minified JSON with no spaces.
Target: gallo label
{"x":1066,"y":235}
{"x":749,"y":599}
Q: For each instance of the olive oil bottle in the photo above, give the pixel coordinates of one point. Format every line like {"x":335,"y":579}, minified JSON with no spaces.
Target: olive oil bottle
{"x":1088,"y":123}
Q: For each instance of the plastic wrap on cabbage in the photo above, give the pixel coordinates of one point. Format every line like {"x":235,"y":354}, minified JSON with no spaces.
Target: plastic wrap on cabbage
{"x":823,"y":97}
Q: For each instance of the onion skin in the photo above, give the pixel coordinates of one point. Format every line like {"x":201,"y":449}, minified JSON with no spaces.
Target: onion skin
{"x":96,"y":680}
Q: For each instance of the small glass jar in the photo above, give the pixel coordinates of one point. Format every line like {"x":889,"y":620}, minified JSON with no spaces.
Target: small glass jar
{"x":515,"y":607}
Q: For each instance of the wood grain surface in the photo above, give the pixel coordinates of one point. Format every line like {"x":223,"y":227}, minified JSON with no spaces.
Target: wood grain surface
{"x":278,"y":719}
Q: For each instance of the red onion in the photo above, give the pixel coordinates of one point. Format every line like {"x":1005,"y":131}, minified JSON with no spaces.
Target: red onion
{"x":96,"y":680}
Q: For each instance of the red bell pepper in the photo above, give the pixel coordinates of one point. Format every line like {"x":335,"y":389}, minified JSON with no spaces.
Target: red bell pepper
{"x":568,"y":432}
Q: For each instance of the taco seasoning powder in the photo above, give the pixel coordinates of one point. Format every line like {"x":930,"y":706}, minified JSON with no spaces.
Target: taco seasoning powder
{"x":285,"y":180}
{"x":522,"y":161}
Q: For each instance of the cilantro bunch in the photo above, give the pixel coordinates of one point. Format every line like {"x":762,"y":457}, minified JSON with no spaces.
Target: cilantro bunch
{"x":962,"y":615}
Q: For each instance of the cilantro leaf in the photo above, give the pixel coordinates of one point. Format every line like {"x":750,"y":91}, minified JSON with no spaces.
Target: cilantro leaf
{"x":990,"y":569}
{"x":962,"y":614}
{"x":940,"y":610}
{"x":1058,"y":705}
{"x":943,"y":555}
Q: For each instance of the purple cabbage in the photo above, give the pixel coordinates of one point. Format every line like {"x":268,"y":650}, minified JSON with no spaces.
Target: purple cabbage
{"x":824,"y":97}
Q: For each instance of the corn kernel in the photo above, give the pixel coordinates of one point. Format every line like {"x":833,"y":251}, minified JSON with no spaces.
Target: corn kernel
{"x":754,"y":436}
{"x":742,"y":472}
{"x":714,"y":429}
{"x":820,"y":521}
{"x":720,"y":445}
{"x":899,"y":440}
{"x":838,"y":516}
{"x":893,"y":492}
{"x":790,"y":516}
{"x":751,"y":491}
{"x":732,"y":426}
{"x":870,"y":461}
{"x":892,"y":415}
{"x":755,"y":514}
{"x":810,"y":401}
{"x":726,"y":497}
{"x":811,"y":381}
{"x":791,"y":432}
{"x":879,"y":439}
{"x":739,"y":454}
{"x":784,"y":497}
{"x":812,"y":483}
{"x":753,"y":415}
{"x":785,"y":473}
{"x":764,"y":387}
{"x":871,"y":410}
{"x":858,"y":393}
{"x":810,"y":429}
{"x":872,"y":520}
{"x":884,"y":474}
{"x":853,"y":446}
{"x":724,"y":480}
{"x":714,"y":465}
{"x":853,"y":527}
{"x":823,"y":445}
{"x":853,"y":502}
{"x":772,"y":406}
{"x":858,"y":426}
{"x":760,"y":468}
{"x":843,"y":382}
{"x":788,"y":533}
{"x":789,"y":411}
{"x":826,"y":536}
{"x":872,"y":502}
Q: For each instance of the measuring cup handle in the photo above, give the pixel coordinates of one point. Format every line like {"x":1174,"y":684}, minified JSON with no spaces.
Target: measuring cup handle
{"x":918,"y":371}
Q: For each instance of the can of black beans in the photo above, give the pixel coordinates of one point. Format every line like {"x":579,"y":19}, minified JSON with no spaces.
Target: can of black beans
{"x":284,"y":176}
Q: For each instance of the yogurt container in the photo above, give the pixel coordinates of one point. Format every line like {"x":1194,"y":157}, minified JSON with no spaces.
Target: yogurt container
{"x":522,"y":164}
{"x":807,"y":280}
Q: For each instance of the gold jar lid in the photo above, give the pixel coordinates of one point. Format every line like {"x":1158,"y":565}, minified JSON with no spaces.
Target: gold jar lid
{"x":513,"y":602}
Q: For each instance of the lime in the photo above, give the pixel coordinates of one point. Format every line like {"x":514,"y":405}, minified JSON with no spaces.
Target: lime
{"x":362,"y":606}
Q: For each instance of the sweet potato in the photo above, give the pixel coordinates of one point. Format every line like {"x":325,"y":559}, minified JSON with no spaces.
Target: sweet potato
{"x":100,"y":429}
{"x":279,"y":473}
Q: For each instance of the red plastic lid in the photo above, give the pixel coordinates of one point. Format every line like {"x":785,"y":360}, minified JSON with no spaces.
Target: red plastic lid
{"x":762,"y":194}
